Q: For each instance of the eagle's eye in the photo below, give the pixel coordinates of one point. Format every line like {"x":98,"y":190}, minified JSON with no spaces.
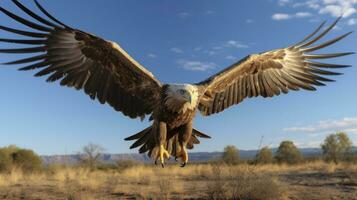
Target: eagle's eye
{"x":182,"y":92}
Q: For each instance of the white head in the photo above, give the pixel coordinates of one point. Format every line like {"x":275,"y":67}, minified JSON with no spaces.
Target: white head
{"x":181,"y":97}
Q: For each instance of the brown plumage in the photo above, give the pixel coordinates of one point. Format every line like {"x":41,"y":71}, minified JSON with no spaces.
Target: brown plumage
{"x":104,"y":71}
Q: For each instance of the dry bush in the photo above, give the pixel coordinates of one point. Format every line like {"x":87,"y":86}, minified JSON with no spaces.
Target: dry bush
{"x":80,"y":196}
{"x":217,"y":185}
{"x":241,"y":183}
{"x":255,"y":187}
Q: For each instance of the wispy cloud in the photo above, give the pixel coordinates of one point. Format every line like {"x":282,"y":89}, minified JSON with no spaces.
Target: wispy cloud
{"x":352,"y":21}
{"x":197,"y":49}
{"x":209,"y":12}
{"x":184,"y":15}
{"x":286,"y":16}
{"x":176,"y":50}
{"x":310,"y":144}
{"x":334,"y":8}
{"x":280,"y":16}
{"x":348,"y":125}
{"x":303,"y":14}
{"x":151,"y":55}
{"x":230,"y":57}
{"x":235,"y":44}
{"x":283,"y":2}
{"x":249,"y":21}
{"x":194,"y":65}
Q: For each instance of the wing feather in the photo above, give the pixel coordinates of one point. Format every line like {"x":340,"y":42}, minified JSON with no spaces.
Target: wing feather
{"x":101,"y":68}
{"x":271,"y":73}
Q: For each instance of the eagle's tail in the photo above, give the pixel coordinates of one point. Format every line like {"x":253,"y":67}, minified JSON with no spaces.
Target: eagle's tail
{"x":146,"y":140}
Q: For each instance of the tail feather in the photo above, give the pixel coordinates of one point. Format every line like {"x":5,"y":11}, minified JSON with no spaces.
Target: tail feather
{"x":146,"y":140}
{"x":200,"y":134}
{"x":138,"y":135}
{"x":142,"y":140}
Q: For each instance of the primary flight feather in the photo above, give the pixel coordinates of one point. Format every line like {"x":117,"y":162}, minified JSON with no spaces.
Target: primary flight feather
{"x":104,"y":71}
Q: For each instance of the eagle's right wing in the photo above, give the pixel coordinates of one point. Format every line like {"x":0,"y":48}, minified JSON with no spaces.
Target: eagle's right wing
{"x":270,"y":74}
{"x":84,"y":61}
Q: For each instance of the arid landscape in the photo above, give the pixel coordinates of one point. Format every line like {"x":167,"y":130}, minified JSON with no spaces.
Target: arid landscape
{"x":313,"y":180}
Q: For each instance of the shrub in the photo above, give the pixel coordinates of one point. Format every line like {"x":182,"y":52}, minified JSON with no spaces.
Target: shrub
{"x":254,"y":186}
{"x":264,"y":156}
{"x":217,"y":185}
{"x":23,"y":159}
{"x":126,"y":164}
{"x":336,"y":147}
{"x":5,"y":161}
{"x":288,"y":153}
{"x":230,"y":155}
{"x":26,"y":160}
{"x":90,"y":155}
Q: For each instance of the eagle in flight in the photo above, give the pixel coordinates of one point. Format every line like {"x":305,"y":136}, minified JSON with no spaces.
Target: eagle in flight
{"x":104,"y":71}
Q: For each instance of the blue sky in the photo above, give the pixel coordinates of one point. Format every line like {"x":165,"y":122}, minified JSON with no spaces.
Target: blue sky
{"x":183,"y":41}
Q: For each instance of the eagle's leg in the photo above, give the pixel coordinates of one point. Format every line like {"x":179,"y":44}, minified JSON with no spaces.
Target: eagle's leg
{"x":161,"y":140}
{"x":184,"y":156}
{"x":184,"y":137}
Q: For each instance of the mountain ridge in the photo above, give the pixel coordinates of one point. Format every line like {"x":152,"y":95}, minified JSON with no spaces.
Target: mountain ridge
{"x":194,"y":156}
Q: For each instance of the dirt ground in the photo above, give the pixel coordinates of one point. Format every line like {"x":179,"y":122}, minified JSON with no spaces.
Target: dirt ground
{"x":195,"y":183}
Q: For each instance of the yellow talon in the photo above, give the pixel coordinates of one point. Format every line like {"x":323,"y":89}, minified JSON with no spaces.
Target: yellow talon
{"x":163,"y":154}
{"x":184,"y":156}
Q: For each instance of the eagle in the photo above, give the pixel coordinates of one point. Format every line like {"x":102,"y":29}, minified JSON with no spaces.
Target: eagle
{"x":104,"y":71}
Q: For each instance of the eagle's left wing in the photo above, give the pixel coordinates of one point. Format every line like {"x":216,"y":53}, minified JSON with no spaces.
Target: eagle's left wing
{"x":102,"y":69}
{"x":270,"y":74}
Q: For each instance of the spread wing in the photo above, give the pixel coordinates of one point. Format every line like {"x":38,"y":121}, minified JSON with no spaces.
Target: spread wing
{"x":83,"y":61}
{"x":271,"y":73}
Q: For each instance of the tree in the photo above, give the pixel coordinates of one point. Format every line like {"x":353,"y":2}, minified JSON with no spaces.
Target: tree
{"x":26,"y":160}
{"x":336,"y":147}
{"x":90,"y":155}
{"x":264,"y":156}
{"x":230,"y":155}
{"x":288,"y":153}
{"x":15,"y":157}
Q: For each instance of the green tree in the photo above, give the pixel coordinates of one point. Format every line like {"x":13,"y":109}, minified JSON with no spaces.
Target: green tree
{"x":13,"y":156}
{"x":5,"y":161}
{"x":288,"y":153}
{"x":336,"y":147}
{"x":264,"y":156}
{"x":27,"y":160}
{"x":230,"y":155}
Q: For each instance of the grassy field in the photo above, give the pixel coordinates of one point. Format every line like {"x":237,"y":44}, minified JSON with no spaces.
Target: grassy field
{"x":314,"y":180}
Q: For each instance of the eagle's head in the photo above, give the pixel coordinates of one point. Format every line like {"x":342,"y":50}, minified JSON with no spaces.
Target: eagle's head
{"x":181,"y":97}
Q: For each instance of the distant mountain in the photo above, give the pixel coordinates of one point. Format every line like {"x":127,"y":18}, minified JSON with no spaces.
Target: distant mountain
{"x":194,"y":157}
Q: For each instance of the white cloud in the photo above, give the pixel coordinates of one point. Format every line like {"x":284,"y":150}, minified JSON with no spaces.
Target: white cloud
{"x":348,"y":125}
{"x":310,"y":144}
{"x":176,"y":50}
{"x":197,"y":48}
{"x":209,"y":12}
{"x":334,"y":8}
{"x":151,"y":55}
{"x":194,"y":65}
{"x":184,"y":15}
{"x":352,"y":21}
{"x":249,"y":21}
{"x":230,"y":57}
{"x":236,"y":44}
{"x":286,"y":16}
{"x":338,"y":10}
{"x":280,"y":16}
{"x":303,"y":14}
{"x":283,"y":2}
{"x":211,"y":53}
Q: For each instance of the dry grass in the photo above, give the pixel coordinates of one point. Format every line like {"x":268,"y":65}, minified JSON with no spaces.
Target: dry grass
{"x":149,"y":182}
